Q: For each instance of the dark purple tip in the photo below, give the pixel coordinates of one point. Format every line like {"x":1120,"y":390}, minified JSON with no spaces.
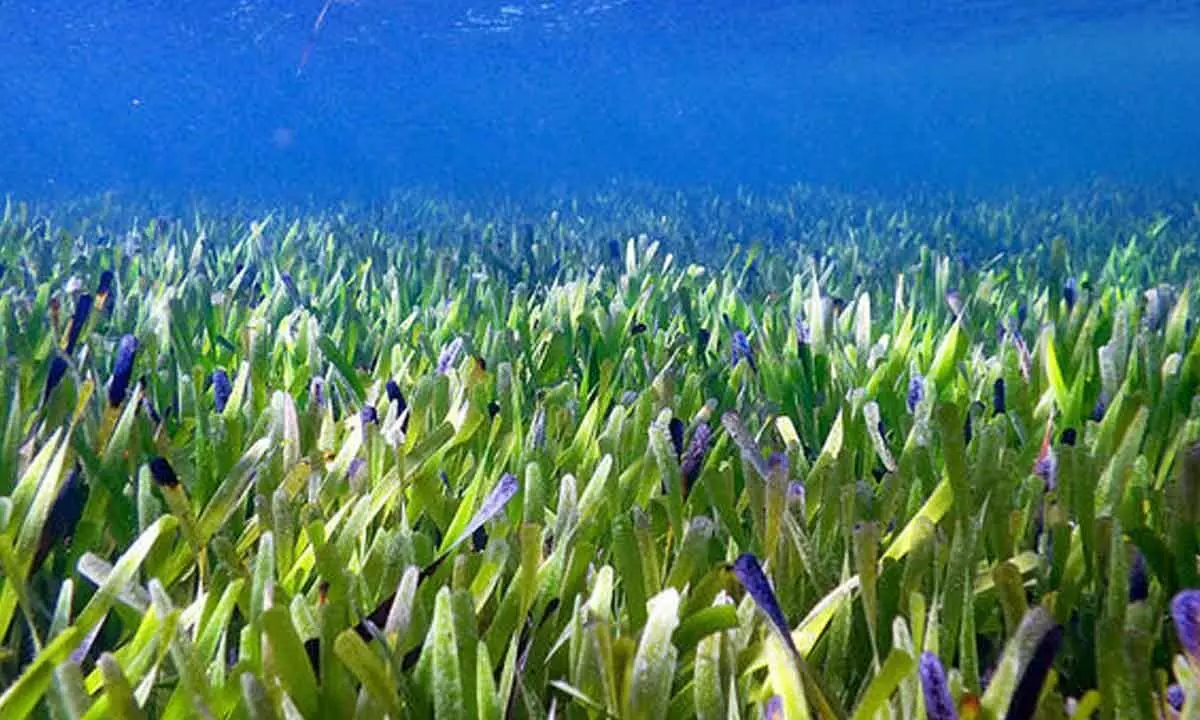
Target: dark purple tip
{"x":1047,"y":469}
{"x":64,"y":515}
{"x":1069,"y":437}
{"x":614,"y":250}
{"x":1069,"y":293}
{"x":637,"y":329}
{"x":1139,"y":579}
{"x":1185,"y":612}
{"x":147,"y":403}
{"x":450,"y":356}
{"x":954,"y":300}
{"x":778,"y":463}
{"x":773,"y":710}
{"x":916,"y":392}
{"x":803,"y":333}
{"x":118,"y":386}
{"x":368,"y":415}
{"x":494,"y":502}
{"x":938,"y":703}
{"x":537,"y":429}
{"x":1022,"y":314}
{"x":163,"y":473}
{"x":999,"y":403}
{"x":1099,"y":409}
{"x":493,"y":409}
{"x":394,"y":394}
{"x":83,"y":309}
{"x":316,"y":392}
{"x":356,"y":469}
{"x":750,"y":574}
{"x":106,"y":281}
{"x":58,"y":368}
{"x":796,"y":493}
{"x":741,"y":350}
{"x":676,"y":429}
{"x":221,"y":388}
{"x":1029,"y":687}
{"x":693,"y":458}
{"x":397,"y":397}
{"x":1175,"y":697}
{"x":290,"y":285}
{"x":702,"y":338}
{"x":479,"y":539}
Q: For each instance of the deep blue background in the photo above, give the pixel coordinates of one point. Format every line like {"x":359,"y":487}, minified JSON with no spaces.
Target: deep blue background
{"x":203,"y":98}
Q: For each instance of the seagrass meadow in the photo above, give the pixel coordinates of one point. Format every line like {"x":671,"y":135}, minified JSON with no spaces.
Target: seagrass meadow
{"x":639,"y":454}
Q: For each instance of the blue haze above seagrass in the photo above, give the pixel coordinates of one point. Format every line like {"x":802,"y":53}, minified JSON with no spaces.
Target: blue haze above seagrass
{"x":241,"y":99}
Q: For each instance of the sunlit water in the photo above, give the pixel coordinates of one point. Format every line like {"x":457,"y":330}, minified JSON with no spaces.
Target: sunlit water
{"x":275,"y":101}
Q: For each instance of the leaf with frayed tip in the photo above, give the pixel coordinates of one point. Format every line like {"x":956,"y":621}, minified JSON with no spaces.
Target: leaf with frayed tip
{"x":488,"y":698}
{"x":832,"y":449}
{"x":871,"y":415}
{"x":707,"y":690}
{"x":1115,"y":478}
{"x":775,"y":499}
{"x":745,"y":442}
{"x":288,"y":427}
{"x":668,"y":469}
{"x":449,"y":699}
{"x":1036,"y":624}
{"x":1175,"y":333}
{"x":595,"y":494}
{"x":117,"y":690}
{"x":1028,"y":690}
{"x":654,"y":664}
{"x":402,"y":606}
{"x":258,"y":702}
{"x":73,"y":699}
{"x":628,"y":563}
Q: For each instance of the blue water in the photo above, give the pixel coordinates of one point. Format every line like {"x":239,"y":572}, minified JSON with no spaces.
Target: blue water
{"x":208,"y":99}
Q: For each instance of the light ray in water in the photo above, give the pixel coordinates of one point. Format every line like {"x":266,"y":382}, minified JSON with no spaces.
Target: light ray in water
{"x":313,"y":34}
